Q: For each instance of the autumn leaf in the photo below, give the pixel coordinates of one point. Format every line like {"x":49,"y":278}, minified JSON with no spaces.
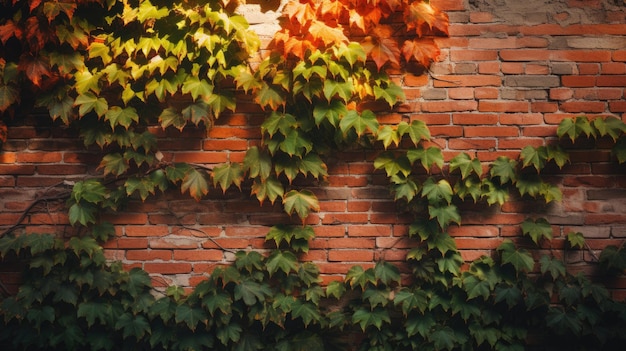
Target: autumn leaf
{"x":52,"y":9}
{"x":3,"y":132}
{"x":9,"y":30}
{"x":381,"y":47}
{"x":299,"y":12}
{"x":35,"y":68}
{"x":422,"y":50}
{"x":328,"y":35}
{"x":421,"y":14}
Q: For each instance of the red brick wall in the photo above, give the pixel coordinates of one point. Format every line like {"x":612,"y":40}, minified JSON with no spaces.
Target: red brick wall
{"x":506,"y":77}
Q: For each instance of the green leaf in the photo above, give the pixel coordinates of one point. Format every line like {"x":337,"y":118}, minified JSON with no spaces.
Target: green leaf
{"x":172,"y":117}
{"x":512,"y":295}
{"x":529,"y":184}
{"x":611,"y":126}
{"x":360,"y":122}
{"x":535,"y":156}
{"x":419,"y":324}
{"x":357,"y":276}
{"x":376,"y":296}
{"x":444,"y":214}
{"x":392,"y":94}
{"x":270,"y":96}
{"x":576,"y":239}
{"x":428,"y":157}
{"x":257,"y":163}
{"x":83,"y":214}
{"x":229,"y":333}
{"x":312,"y":164}
{"x":133,"y":326}
{"x":121,"y":116}
{"x":551,"y":265}
{"x":198,"y":112}
{"x":437,"y":193}
{"x":417,"y":131}
{"x":226,"y":175}
{"x":197,"y":87}
{"x":471,"y":186}
{"x":619,"y":150}
{"x":283,"y":233}
{"x":38,"y":316}
{"x":537,"y":229}
{"x":443,"y":338}
{"x":217,"y":301}
{"x":388,"y":135}
{"x":466,"y":165}
{"x":250,"y":291}
{"x":8,"y":96}
{"x":114,"y":164}
{"x":331,"y":112}
{"x":336,"y":289}
{"x":270,"y":189}
{"x":307,"y":311}
{"x":574,"y":127}
{"x":190,"y":316}
{"x":375,"y":317}
{"x":504,"y":169}
{"x":411,"y":300}
{"x":404,"y":188}
{"x":88,"y":102}
{"x":386,"y":272}
{"x":520,"y":259}
{"x":495,"y":193}
{"x":563,"y":322}
{"x":284,"y":261}
{"x":195,"y":182}
{"x":94,"y":311}
{"x":393,"y":165}
{"x":558,"y":155}
{"x":302,"y":202}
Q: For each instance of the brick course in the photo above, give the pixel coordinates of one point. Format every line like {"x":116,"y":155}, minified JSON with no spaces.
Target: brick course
{"x":502,"y":84}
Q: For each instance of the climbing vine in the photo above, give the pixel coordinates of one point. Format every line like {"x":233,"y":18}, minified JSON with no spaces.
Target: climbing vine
{"x":147,"y":64}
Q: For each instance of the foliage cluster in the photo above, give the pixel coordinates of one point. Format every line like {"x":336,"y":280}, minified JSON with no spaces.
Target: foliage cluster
{"x":172,"y":64}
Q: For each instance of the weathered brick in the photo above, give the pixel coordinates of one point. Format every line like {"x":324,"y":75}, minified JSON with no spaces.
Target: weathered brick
{"x":532,"y":81}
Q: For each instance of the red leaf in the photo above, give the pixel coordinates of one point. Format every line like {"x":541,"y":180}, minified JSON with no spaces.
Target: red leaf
{"x":299,"y":12}
{"x":382,"y":47}
{"x":8,"y":30}
{"x":422,"y":50}
{"x":334,"y":9}
{"x":35,"y":68}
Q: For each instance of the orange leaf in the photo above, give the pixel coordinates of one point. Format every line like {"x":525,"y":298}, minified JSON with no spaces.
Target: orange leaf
{"x":328,"y":35}
{"x":35,"y":68}
{"x":8,"y":30}
{"x":382,"y":47}
{"x":334,"y":9}
{"x":299,"y":12}
{"x":421,"y":14}
{"x":422,"y":50}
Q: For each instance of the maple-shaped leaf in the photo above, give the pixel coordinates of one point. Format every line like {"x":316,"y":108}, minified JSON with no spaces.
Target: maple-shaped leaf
{"x":124,"y":117}
{"x":504,"y":168}
{"x":535,"y":156}
{"x":226,"y":175}
{"x":326,"y":34}
{"x":197,"y":87}
{"x":172,"y":117}
{"x":332,"y":112}
{"x":9,"y":30}
{"x":195,"y":182}
{"x":114,"y":164}
{"x":270,"y":96}
{"x":75,"y":37}
{"x":420,"y":50}
{"x":67,"y":62}
{"x":101,"y":51}
{"x":8,"y":96}
{"x":574,"y":127}
{"x":421,"y":14}
{"x":495,"y":194}
{"x":466,"y":165}
{"x":35,"y":68}
{"x":301,"y":202}
{"x":428,"y":157}
{"x":53,"y":8}
{"x":537,"y":229}
{"x":520,"y":259}
{"x":393,"y":165}
{"x":197,"y":112}
{"x":225,"y":100}
{"x":300,"y":12}
{"x":392,"y":94}
{"x":382,"y":47}
{"x":270,"y":188}
{"x":88,"y":102}
{"x":417,"y":131}
{"x":352,"y":53}
{"x":611,"y":126}
{"x":312,"y":164}
{"x":388,"y":135}
{"x":438,"y":192}
{"x":360,"y":122}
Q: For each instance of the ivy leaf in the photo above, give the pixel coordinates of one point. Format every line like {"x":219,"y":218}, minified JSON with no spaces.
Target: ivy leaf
{"x":307,"y":311}
{"x":536,"y":156}
{"x":190,"y":316}
{"x":217,"y":301}
{"x":386,"y":272}
{"x":257,"y":163}
{"x":197,"y":87}
{"x":88,"y":102}
{"x":133,"y":326}
{"x":351,"y":53}
{"x":302,"y":202}
{"x":375,"y":317}
{"x":537,"y":229}
{"x":381,"y":47}
{"x":428,"y":157}
{"x":121,"y":116}
{"x":503,"y":168}
{"x":229,"y":332}
{"x":94,"y":311}
{"x":361,"y":277}
{"x":195,"y":182}
{"x":114,"y":163}
{"x":558,"y":155}
{"x":8,"y":96}
{"x":611,"y":126}
{"x":422,"y":50}
{"x":551,"y":265}
{"x":172,"y":117}
{"x":388,"y":135}
{"x":221,"y":102}
{"x":471,"y":186}
{"x":226,"y":175}
{"x":417,"y":131}
{"x":529,"y":184}
{"x":280,"y":233}
{"x":576,"y":239}
{"x":332,"y":89}
{"x":437,"y":192}
{"x":270,"y":96}
{"x":251,"y":291}
{"x":392,"y":94}
{"x":331,"y":112}
{"x":312,"y":164}
{"x":619,"y":150}
{"x":512,"y":295}
{"x":563,"y":322}
{"x":550,"y":192}
{"x":466,"y":165}
{"x":476,"y":287}
{"x":269,"y":188}
{"x":335,"y":289}
{"x":284,"y":261}
{"x":520,"y":259}
{"x":360,"y":122}
{"x":392,"y":165}
{"x":404,"y":188}
{"x":495,"y":193}
{"x":411,"y":300}
{"x":420,"y":324}
{"x":574,"y":127}
{"x":83,"y":214}
{"x":198,"y":112}
{"x":443,"y":338}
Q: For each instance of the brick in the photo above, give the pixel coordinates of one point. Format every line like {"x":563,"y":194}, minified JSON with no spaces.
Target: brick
{"x":519,"y":143}
{"x":486,"y":93}
{"x":198,"y":255}
{"x":544,"y":107}
{"x":167,"y":268}
{"x":583,"y":106}
{"x":489,"y":67}
{"x":578,"y":81}
{"x":598,"y":93}
{"x":148,"y":255}
{"x":580,"y":55}
{"x":474,"y":118}
{"x":471,"y":131}
{"x":525,"y":55}
{"x":350,"y":256}
{"x":351,"y":243}
{"x":588,"y":68}
{"x":449,"y":106}
{"x":503,"y":106}
{"x":512,"y":67}
{"x":472,"y":144}
{"x":617,"y":106}
{"x":612,"y":81}
{"x":532,"y":81}
{"x":473,"y":55}
{"x":453,"y":81}
{"x":520,"y":118}
{"x":369,"y":230}
{"x":493,"y":43}
{"x":537,"y":69}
